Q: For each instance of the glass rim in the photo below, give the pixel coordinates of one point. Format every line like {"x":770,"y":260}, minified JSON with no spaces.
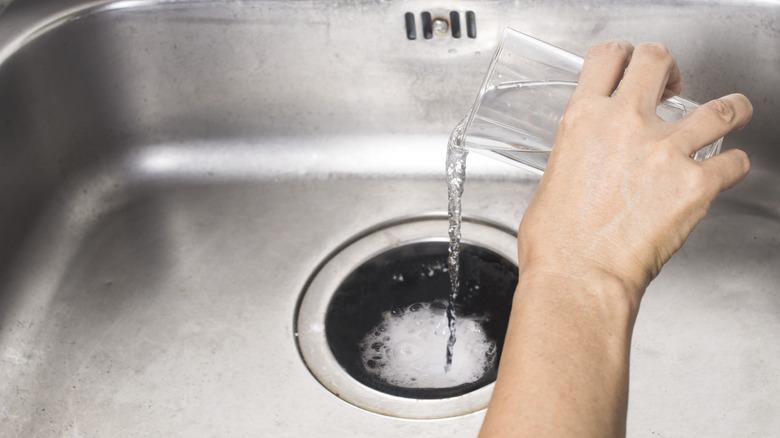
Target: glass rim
{"x":508,"y":32}
{"x":677,"y":102}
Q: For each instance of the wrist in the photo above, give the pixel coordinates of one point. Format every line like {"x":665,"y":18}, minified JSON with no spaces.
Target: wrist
{"x":588,"y":286}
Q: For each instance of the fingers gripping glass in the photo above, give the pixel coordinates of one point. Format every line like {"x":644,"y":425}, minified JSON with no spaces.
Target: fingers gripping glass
{"x":523,"y":97}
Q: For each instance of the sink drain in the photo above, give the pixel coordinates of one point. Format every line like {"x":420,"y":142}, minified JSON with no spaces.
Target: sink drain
{"x":386,"y":323}
{"x":371,"y":325}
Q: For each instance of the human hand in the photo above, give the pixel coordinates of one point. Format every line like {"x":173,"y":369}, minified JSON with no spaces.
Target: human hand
{"x":620,"y":193}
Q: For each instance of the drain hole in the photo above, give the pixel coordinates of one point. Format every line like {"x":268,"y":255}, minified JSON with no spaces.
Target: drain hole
{"x":386,"y":324}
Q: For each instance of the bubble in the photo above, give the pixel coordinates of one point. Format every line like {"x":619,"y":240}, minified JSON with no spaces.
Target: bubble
{"x":412,"y":345}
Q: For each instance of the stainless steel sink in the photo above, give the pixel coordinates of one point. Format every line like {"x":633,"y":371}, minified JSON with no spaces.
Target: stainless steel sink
{"x":172,"y":172}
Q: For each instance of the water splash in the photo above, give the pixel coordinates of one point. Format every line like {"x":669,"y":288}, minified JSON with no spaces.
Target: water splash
{"x":406,"y":348}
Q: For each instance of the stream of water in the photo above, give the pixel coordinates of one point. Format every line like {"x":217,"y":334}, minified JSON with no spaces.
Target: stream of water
{"x":456,"y":177}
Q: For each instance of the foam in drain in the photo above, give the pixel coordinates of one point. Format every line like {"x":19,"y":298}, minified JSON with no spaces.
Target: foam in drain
{"x":408,"y":348}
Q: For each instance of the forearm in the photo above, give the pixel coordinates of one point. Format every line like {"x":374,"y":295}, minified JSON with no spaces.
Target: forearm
{"x":564,"y":366}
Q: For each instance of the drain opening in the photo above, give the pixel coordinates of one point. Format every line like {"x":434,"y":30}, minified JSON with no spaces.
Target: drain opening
{"x":386,"y":324}
{"x":393,"y":276}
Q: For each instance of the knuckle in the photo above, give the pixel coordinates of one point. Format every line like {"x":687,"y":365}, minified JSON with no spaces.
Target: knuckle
{"x":667,"y":145}
{"x":633,"y":117}
{"x":696,"y":176}
{"x":697,"y":182}
{"x":573,"y":115}
{"x":569,"y":121}
{"x":723,"y":110}
{"x":662,"y":156}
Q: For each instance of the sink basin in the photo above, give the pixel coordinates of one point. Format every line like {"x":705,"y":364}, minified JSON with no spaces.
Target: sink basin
{"x":171,"y":174}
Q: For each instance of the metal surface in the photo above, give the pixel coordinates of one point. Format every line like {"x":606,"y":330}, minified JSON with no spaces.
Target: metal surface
{"x":171,"y":174}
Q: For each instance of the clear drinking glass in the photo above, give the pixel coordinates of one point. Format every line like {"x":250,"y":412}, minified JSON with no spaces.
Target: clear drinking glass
{"x":521,"y":101}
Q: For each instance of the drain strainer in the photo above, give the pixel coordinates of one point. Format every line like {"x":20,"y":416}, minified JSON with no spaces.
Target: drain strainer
{"x":371,"y":324}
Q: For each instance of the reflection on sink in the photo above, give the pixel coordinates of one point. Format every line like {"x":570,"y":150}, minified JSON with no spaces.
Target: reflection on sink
{"x":172,"y":173}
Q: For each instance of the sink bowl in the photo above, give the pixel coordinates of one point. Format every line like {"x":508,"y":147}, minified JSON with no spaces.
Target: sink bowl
{"x":172,"y":172}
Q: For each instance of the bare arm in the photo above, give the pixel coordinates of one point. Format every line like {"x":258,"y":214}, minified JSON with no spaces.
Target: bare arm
{"x":619,"y":197}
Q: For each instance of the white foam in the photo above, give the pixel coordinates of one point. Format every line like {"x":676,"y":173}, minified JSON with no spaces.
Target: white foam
{"x":408,"y":349}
